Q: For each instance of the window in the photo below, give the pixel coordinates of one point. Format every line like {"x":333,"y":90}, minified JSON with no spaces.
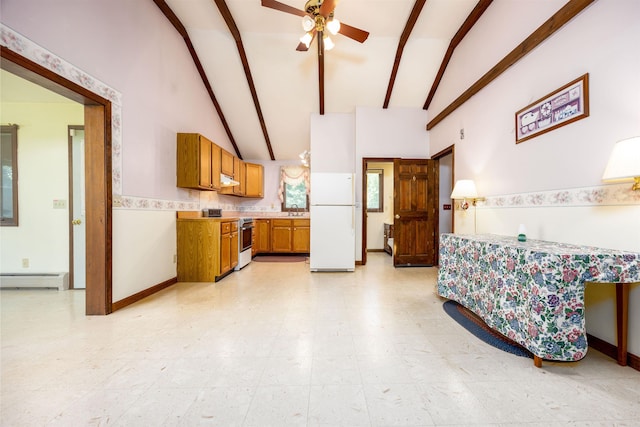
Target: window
{"x":294,"y":189}
{"x":375,"y":195}
{"x":9,"y":177}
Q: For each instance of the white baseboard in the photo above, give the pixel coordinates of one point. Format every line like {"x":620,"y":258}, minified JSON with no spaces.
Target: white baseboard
{"x":59,"y":281}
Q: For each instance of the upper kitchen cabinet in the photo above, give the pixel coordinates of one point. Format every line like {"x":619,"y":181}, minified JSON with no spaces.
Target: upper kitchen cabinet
{"x":226,"y":163}
{"x":198,"y":164}
{"x":254,"y":183}
{"x":238,"y":175}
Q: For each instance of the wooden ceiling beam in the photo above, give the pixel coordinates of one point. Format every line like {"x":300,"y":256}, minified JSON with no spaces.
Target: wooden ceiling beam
{"x":550,"y":26}
{"x":321,"y":72}
{"x":226,"y":14}
{"x":168,"y":13}
{"x":471,"y":20}
{"x":411,"y":22}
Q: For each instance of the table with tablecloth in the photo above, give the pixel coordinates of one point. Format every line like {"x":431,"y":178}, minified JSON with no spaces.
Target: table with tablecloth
{"x":532,"y":292}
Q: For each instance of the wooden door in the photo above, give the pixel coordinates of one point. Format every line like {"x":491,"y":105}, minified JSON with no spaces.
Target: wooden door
{"x":262,"y":231}
{"x":253,"y":182}
{"x":301,"y":236}
{"x":415,"y":203}
{"x":234,"y":249}
{"x":225,"y":252}
{"x":281,"y":237}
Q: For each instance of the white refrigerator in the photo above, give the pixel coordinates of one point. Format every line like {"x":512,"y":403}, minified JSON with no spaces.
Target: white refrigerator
{"x":333,"y":222}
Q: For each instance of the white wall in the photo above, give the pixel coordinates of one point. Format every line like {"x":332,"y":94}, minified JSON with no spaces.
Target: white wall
{"x":332,"y":143}
{"x":393,"y":132}
{"x":135,"y":50}
{"x":570,"y":160}
{"x":42,"y":236}
{"x":445,"y":175}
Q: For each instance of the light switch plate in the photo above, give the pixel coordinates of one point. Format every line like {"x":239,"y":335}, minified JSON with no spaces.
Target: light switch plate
{"x":59,"y":204}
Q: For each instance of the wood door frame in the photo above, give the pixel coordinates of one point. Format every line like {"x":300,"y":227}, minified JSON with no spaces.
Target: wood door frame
{"x":98,"y":177}
{"x":440,"y":154}
{"x":365,"y":164}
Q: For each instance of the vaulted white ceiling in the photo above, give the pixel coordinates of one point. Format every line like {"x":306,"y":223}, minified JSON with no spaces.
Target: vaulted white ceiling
{"x":286,"y":81}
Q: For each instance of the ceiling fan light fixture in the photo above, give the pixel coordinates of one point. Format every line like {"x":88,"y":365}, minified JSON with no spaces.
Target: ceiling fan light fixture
{"x":328,"y":43}
{"x":333,"y":25}
{"x":306,"y":39}
{"x":308,"y":23}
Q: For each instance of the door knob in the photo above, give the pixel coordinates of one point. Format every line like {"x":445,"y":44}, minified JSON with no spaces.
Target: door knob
{"x":397,"y":216}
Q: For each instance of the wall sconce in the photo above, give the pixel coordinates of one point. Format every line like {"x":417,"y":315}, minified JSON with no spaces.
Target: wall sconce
{"x":465,"y":189}
{"x":624,"y":163}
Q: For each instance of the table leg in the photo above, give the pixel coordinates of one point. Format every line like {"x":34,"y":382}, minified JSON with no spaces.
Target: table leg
{"x":622,"y":320}
{"x":537,"y":361}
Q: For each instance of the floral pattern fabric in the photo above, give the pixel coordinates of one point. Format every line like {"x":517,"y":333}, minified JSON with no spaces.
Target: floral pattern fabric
{"x":533,"y":291}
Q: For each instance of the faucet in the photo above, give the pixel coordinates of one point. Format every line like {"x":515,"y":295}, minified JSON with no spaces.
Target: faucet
{"x":294,"y":213}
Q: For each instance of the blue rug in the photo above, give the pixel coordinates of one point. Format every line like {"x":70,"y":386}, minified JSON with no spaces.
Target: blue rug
{"x":477,"y":327}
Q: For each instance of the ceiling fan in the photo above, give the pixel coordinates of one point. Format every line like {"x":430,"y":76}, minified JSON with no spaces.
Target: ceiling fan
{"x":316,"y":18}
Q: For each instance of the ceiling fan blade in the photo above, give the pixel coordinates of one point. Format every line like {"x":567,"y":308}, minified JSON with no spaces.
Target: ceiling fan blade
{"x":273,"y":4}
{"x":353,"y":33}
{"x":327,"y":7}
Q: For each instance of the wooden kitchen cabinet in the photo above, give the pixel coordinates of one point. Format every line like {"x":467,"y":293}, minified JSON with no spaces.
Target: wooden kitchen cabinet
{"x":207,"y":248}
{"x":290,"y":235}
{"x":239,"y":175}
{"x":226,"y":162}
{"x":301,"y":236}
{"x":281,"y":235}
{"x":254,"y":180}
{"x":197,"y":164}
{"x":262,"y":233}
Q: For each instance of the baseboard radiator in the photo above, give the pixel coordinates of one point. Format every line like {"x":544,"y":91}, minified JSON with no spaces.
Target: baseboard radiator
{"x":58,"y":281}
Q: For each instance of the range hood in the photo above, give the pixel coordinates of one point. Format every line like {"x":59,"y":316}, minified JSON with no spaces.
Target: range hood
{"x":227,"y":181}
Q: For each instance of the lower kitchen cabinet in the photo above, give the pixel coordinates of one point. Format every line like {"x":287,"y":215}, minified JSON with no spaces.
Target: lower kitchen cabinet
{"x":262,"y":234}
{"x":207,"y":248}
{"x":290,"y":235}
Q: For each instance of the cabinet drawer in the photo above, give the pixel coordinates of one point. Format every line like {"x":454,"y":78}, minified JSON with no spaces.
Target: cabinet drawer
{"x":234,"y":226}
{"x":225,"y":227}
{"x":281,"y":223}
{"x":301,"y":222}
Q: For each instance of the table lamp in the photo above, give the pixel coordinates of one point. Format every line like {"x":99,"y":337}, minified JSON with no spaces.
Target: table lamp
{"x":624,"y":163}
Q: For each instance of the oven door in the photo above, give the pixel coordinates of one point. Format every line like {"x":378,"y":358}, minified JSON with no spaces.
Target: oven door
{"x":246,"y":233}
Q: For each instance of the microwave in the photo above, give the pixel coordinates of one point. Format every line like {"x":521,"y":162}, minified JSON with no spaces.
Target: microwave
{"x":212,"y":213}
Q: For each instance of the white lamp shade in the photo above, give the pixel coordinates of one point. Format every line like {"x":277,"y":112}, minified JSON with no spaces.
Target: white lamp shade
{"x":464,"y":189}
{"x":624,"y":162}
{"x":308,"y":23}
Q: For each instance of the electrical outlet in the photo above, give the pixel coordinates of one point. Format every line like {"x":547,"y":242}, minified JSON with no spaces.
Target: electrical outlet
{"x":25,"y":262}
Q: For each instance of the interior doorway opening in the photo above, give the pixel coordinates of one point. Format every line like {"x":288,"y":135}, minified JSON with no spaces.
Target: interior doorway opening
{"x":98,"y":174}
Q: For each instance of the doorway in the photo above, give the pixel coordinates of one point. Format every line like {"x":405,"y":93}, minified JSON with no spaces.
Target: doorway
{"x":98,"y":177}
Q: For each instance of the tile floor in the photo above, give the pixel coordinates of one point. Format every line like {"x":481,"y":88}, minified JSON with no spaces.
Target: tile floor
{"x":274,"y":345}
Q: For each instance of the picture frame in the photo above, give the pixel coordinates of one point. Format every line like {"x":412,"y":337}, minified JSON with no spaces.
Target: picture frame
{"x":565,"y":105}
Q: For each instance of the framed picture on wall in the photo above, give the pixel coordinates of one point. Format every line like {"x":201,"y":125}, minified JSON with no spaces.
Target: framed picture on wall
{"x":561,"y":107}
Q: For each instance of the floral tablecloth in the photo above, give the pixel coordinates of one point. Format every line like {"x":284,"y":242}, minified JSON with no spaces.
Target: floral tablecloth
{"x":533,"y":291}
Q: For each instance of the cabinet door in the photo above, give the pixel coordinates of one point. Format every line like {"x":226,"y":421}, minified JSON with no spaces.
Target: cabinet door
{"x":193,"y":161}
{"x":225,"y":252}
{"x":226,"y":163}
{"x":281,"y":235}
{"x":216,"y":153}
{"x":239,"y":175}
{"x":254,"y":186}
{"x":263,"y":235}
{"x":301,"y":236}
{"x":205,"y":163}
{"x":233,"y":256}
